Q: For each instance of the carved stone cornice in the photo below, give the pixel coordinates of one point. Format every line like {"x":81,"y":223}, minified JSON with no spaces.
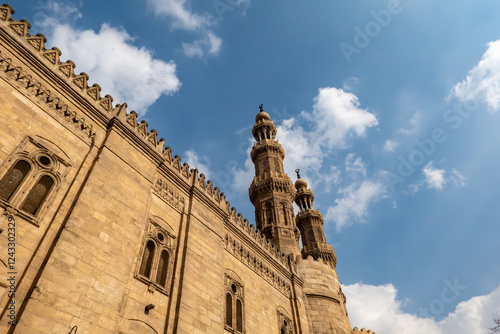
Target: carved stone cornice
{"x":168,"y":194}
{"x":268,"y":145}
{"x":11,"y":72}
{"x":283,"y":185}
{"x":254,"y":262}
{"x":309,"y":214}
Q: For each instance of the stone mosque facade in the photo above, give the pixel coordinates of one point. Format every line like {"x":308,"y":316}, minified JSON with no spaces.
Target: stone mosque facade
{"x":104,"y":231}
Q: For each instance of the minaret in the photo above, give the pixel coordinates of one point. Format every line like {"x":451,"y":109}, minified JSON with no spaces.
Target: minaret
{"x":271,"y":191}
{"x":310,"y":224}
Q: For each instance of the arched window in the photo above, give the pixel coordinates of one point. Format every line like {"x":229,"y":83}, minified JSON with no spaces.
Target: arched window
{"x":161,"y":274}
{"x":37,"y":195}
{"x":147,"y":259}
{"x":229,"y":310}
{"x":13,"y":179}
{"x":235,"y":306}
{"x":239,"y":316}
{"x":285,"y":324}
{"x":154,"y":267}
{"x":283,"y":210}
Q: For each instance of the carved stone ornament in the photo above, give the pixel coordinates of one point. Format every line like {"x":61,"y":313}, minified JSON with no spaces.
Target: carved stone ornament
{"x":167,"y":193}
{"x":257,"y":265}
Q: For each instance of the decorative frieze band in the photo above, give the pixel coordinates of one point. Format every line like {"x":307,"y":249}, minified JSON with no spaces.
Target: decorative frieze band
{"x":36,"y":89}
{"x":167,"y":193}
{"x":254,"y":263}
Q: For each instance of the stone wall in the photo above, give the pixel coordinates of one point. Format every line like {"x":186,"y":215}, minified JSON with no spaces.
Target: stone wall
{"x":325,"y":302}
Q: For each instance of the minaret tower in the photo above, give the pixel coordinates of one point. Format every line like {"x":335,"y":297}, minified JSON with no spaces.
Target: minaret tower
{"x":310,"y":224}
{"x":271,"y":191}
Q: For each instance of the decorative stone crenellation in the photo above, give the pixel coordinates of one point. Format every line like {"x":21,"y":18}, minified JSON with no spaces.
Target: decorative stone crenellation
{"x":36,"y":89}
{"x":356,"y":331}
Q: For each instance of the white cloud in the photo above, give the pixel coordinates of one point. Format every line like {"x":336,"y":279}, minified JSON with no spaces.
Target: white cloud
{"x":337,"y":116}
{"x":353,"y":206}
{"x":415,"y":121}
{"x":434,"y":178}
{"x":354,"y":166}
{"x":391,"y":145}
{"x":483,"y":81}
{"x":378,"y":308}
{"x":202,"y":163}
{"x":208,"y":45}
{"x":311,"y":136}
{"x":182,"y":16}
{"x":243,"y":176}
{"x":128,"y":73}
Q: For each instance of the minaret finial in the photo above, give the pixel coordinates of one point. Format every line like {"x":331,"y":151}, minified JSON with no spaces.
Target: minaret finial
{"x":298,"y":173}
{"x":260,"y":107}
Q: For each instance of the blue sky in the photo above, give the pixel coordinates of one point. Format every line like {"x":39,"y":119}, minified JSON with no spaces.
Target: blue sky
{"x":389,"y":108}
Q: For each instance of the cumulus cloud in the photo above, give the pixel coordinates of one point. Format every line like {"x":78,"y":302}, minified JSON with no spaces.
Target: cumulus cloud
{"x":202,"y":163}
{"x":128,"y":73}
{"x":337,"y":117}
{"x":434,"y":177}
{"x":483,"y":81}
{"x":353,"y":206}
{"x":379,"y":308}
{"x":208,"y":45}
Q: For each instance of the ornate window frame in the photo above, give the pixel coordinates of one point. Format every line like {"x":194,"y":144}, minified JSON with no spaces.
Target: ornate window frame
{"x":235,"y":289}
{"x":164,"y":241}
{"x":42,"y":162}
{"x":285,"y":324}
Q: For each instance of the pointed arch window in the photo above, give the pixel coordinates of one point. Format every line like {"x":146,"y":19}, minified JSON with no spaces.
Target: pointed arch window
{"x":239,"y":315}
{"x":161,"y":274}
{"x":229,"y":310}
{"x":154,"y":267}
{"x":284,"y":322}
{"x":147,"y":259}
{"x":38,"y":194}
{"x":13,"y":179}
{"x":29,"y":179}
{"x":235,"y":306}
